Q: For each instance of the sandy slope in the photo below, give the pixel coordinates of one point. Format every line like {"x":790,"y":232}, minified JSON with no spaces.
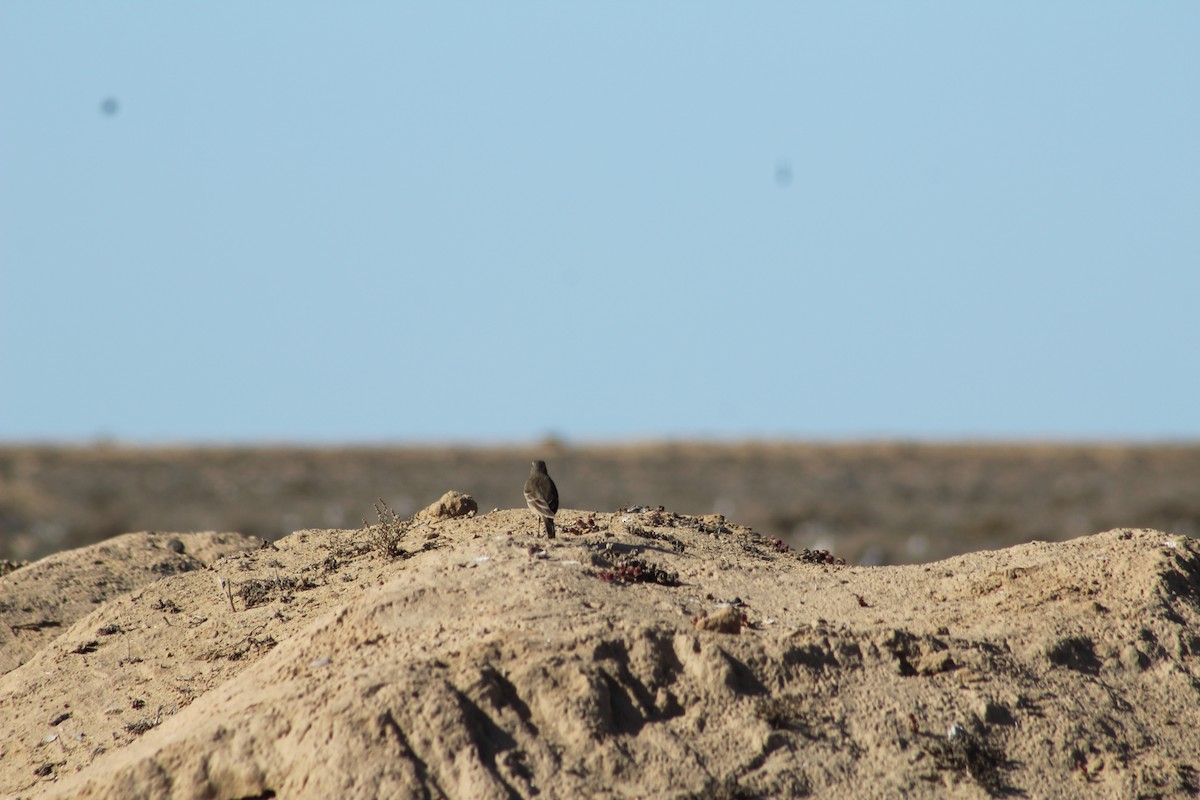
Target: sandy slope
{"x":487,"y":662}
{"x":38,"y":601}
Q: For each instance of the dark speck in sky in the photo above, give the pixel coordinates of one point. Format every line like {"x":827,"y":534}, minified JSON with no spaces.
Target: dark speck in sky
{"x":783,"y":173}
{"x":110,"y":107}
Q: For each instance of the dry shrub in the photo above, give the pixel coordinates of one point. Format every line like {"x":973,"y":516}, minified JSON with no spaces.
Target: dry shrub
{"x":387,"y":536}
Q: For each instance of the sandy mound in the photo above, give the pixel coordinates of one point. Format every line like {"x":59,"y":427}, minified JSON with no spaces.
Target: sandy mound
{"x":484,"y":661}
{"x":38,"y":601}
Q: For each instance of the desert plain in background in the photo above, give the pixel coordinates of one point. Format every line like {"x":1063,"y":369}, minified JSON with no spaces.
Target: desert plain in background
{"x":870,"y":503}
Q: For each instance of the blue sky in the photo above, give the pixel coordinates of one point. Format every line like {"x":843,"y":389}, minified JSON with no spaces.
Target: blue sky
{"x":488,"y":222}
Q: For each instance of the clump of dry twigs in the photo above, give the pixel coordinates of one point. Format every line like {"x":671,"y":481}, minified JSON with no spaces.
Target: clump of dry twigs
{"x":386,"y":536}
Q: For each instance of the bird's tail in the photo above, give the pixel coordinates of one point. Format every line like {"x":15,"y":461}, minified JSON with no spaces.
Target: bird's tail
{"x":549,"y":527}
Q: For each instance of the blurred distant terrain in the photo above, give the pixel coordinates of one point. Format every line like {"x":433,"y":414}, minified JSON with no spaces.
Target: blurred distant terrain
{"x":869,"y":503}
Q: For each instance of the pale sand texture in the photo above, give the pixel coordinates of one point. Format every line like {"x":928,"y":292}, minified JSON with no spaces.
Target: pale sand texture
{"x":38,"y":602}
{"x":491,"y":663}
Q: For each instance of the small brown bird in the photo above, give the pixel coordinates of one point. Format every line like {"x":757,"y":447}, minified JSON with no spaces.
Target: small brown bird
{"x":542,"y":495}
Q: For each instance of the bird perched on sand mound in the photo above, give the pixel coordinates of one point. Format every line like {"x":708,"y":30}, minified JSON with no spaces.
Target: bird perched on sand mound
{"x":542,"y":495}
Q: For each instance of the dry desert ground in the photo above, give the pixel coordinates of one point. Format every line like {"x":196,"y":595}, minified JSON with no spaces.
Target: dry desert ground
{"x":644,"y":652}
{"x":640,"y":653}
